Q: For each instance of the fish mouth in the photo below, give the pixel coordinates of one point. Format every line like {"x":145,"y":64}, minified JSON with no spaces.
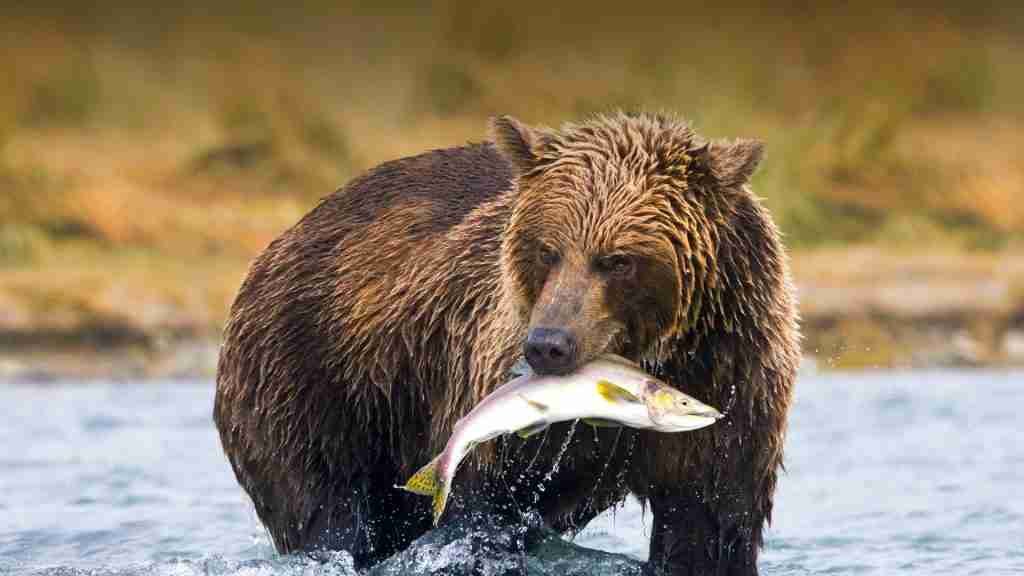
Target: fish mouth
{"x":708,"y":412}
{"x":699,"y":417}
{"x":685,"y":423}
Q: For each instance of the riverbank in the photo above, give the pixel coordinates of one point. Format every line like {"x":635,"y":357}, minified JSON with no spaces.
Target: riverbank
{"x":878,"y":308}
{"x":862,"y":308}
{"x":145,"y":159}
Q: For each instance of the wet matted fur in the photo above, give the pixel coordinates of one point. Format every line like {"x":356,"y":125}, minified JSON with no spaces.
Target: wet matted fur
{"x":365,"y":331}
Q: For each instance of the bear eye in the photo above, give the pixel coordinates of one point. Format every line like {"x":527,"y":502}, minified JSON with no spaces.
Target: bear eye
{"x":615,"y":265}
{"x":548,"y":257}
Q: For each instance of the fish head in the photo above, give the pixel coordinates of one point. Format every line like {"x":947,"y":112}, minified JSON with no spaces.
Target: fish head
{"x":673,"y":411}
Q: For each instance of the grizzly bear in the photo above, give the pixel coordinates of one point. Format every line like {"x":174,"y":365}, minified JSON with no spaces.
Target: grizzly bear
{"x":363,"y":333}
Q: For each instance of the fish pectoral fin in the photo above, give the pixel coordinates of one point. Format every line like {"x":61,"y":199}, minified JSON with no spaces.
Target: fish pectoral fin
{"x":602,"y":423}
{"x":539,"y":406}
{"x":426,"y":481}
{"x":531,"y":430}
{"x":614,"y":393}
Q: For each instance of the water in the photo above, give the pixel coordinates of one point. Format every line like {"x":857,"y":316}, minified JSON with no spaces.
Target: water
{"x":888,"y":473}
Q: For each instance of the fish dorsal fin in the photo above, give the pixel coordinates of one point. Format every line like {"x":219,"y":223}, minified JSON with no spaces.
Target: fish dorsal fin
{"x":539,"y":406}
{"x":427,"y":481}
{"x":531,"y":430}
{"x":615,"y":393}
{"x":602,"y":423}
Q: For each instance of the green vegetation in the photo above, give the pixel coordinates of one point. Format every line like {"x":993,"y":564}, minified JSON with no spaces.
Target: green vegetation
{"x":149,"y":137}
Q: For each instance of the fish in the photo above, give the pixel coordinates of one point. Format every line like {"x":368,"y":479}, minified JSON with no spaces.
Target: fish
{"x":609,"y":391}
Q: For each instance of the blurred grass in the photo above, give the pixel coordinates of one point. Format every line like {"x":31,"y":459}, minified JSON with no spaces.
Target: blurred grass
{"x":154,"y":137}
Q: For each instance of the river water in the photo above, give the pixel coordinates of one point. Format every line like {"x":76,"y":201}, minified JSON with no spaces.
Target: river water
{"x":887,"y":473}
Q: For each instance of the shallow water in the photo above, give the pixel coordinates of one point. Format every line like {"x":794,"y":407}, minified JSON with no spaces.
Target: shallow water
{"x":887,"y":473}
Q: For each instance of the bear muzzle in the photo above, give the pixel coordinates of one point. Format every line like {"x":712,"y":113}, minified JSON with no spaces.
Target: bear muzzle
{"x":551,"y":350}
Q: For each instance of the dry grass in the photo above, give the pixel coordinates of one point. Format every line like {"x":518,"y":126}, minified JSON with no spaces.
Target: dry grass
{"x":144,"y":158}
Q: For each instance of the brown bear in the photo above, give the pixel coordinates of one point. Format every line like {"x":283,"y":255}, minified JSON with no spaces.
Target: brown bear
{"x":364,"y":332}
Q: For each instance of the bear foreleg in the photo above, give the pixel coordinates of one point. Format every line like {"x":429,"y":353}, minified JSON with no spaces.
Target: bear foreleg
{"x":690,"y":537}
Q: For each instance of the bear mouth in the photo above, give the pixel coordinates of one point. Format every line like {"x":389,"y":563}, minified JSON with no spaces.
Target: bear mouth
{"x":519,"y":368}
{"x":617,"y":342}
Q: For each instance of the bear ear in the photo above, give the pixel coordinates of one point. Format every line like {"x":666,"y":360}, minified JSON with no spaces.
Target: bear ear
{"x":517,"y":142}
{"x":733,"y":163}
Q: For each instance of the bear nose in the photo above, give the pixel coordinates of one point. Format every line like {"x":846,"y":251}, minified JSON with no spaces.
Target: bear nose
{"x":550,"y":350}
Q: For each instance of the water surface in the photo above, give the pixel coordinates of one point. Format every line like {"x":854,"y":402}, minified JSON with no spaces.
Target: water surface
{"x":887,"y":473}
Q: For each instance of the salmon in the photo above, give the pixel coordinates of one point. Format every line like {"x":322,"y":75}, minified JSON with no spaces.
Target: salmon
{"x":610,"y":391}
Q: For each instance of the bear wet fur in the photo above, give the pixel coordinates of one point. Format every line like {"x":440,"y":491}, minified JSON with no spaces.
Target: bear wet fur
{"x":363,"y":333}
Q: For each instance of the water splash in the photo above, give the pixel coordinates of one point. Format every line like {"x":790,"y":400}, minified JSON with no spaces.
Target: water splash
{"x":323,"y":564}
{"x":485,"y":545}
{"x":607,"y":463}
{"x":542,"y":486}
{"x":731,"y":401}
{"x":620,"y":478}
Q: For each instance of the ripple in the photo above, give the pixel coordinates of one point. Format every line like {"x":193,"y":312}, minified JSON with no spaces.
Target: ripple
{"x":105,"y":423}
{"x":885,"y":475}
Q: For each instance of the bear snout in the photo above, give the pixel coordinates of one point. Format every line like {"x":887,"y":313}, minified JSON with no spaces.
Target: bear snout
{"x":551,"y":350}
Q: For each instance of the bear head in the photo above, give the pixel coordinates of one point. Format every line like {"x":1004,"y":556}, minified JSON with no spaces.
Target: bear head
{"x":614,"y":232}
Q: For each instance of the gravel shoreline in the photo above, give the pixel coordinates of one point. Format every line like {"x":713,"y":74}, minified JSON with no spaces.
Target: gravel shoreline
{"x":863,"y":341}
{"x":861,"y":308}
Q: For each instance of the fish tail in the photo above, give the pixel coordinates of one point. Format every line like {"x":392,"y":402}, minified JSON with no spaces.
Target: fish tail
{"x":427,"y":481}
{"x":440,"y":500}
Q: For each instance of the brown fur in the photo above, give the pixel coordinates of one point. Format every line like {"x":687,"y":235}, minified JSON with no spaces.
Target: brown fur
{"x":363,"y":333}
